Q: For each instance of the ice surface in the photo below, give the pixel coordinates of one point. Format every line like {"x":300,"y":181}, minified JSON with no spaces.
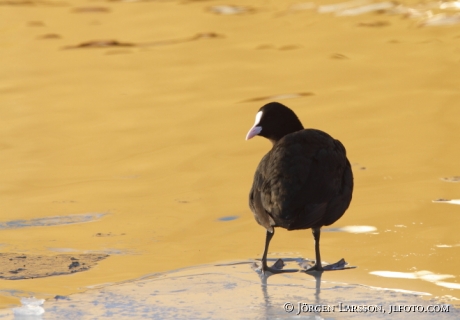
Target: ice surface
{"x":234,"y":291}
{"x":31,"y":309}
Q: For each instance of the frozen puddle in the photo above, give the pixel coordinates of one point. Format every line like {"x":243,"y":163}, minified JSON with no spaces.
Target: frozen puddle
{"x":422,"y":275}
{"x":233,"y":291}
{"x":424,"y":11}
{"x":453,"y":201}
{"x":31,"y":308}
{"x":352,"y":229}
{"x":51,"y":221}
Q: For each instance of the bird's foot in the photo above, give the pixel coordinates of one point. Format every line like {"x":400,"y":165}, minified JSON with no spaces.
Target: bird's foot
{"x":339,"y":265}
{"x":277,"y":267}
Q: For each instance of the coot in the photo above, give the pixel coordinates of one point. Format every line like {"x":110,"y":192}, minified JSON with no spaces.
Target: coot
{"x":304,"y":182}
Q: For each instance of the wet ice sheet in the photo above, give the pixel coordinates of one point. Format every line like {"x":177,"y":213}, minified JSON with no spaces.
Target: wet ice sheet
{"x":421,"y":11}
{"x":51,"y":221}
{"x":14,"y":266}
{"x":421,"y":275}
{"x":453,"y":201}
{"x":31,"y":308}
{"x":441,"y":19}
{"x":231,"y":291}
{"x":366,"y":9}
{"x":229,"y":10}
{"x":352,"y":229}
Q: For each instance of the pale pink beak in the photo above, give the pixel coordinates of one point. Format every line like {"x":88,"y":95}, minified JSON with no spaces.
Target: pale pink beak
{"x":253,"y":132}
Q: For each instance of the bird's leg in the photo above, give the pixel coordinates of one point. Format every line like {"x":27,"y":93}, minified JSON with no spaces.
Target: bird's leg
{"x":265,"y":267}
{"x":316,"y":234}
{"x":277,"y":267}
{"x":267,"y":243}
{"x":339,"y":265}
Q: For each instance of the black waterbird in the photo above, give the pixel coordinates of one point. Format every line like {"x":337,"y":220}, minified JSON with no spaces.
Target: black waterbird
{"x":304,"y":182}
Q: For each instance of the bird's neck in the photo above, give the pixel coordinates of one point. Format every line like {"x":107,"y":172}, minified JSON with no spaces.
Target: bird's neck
{"x":279,"y":134}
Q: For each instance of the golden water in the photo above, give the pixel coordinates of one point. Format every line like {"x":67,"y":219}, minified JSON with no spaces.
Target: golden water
{"x":154,"y":135}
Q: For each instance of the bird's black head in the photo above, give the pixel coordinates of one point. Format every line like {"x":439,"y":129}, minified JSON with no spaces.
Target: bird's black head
{"x":274,"y":121}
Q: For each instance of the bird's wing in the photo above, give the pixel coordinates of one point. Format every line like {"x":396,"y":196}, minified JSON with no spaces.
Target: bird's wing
{"x":261,"y":212}
{"x":302,"y":175}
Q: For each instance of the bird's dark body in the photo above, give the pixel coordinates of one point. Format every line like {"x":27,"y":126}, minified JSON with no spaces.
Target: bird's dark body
{"x":304,"y":181}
